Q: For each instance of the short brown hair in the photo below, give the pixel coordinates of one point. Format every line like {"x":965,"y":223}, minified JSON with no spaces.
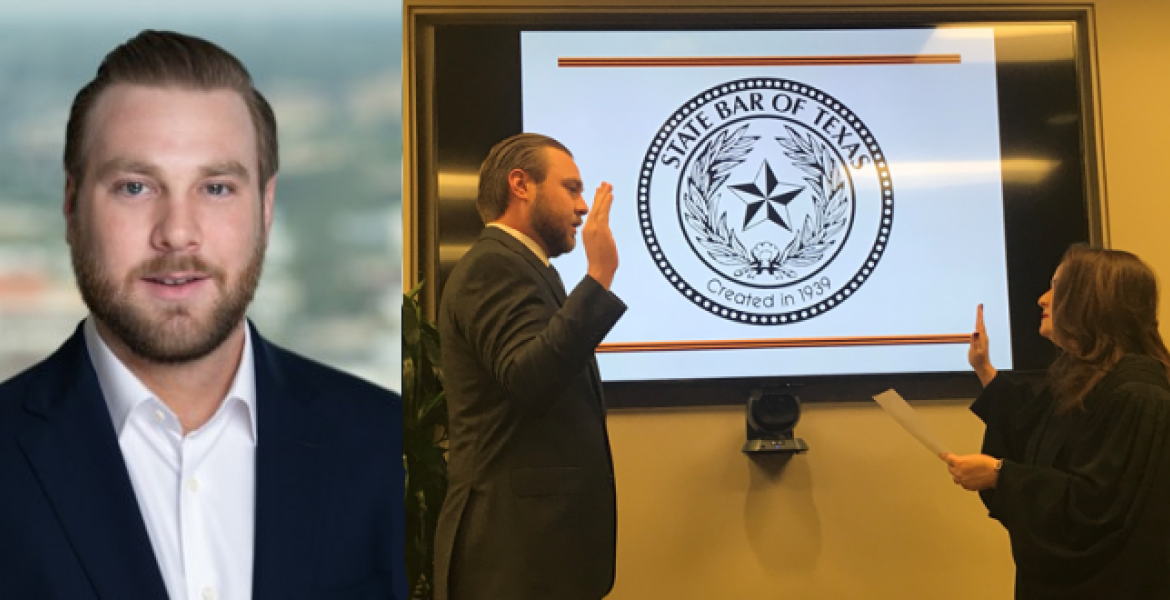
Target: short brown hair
{"x":165,"y":58}
{"x":1104,"y":306}
{"x":524,"y":151}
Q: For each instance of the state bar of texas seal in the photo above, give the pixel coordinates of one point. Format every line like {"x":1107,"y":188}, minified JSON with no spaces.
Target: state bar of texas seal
{"x":765,"y":201}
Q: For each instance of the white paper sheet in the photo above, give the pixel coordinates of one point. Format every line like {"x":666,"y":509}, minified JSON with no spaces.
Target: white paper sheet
{"x":910,"y":420}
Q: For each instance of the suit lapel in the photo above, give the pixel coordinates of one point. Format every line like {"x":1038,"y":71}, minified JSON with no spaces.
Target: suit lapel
{"x":70,"y":443}
{"x":551,"y":274}
{"x":547,"y":274}
{"x":289,"y":479}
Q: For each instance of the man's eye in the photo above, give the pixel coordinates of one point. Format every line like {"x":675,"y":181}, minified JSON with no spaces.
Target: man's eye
{"x":133,"y":188}
{"x":219,"y":189}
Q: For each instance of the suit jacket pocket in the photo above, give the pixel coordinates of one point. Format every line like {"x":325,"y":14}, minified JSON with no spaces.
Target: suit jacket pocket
{"x":547,"y":481}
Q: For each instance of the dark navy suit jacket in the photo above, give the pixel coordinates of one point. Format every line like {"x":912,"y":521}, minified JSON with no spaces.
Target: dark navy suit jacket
{"x":329,"y":486}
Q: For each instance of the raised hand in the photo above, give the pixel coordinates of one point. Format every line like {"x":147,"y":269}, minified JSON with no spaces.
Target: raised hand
{"x":600,"y":249}
{"x":977,"y":354}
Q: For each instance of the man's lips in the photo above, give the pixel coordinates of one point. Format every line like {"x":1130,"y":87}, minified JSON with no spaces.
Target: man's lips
{"x":176,"y":285}
{"x":175,"y":279}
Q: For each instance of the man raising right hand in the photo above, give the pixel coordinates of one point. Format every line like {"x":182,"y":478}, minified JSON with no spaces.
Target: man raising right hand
{"x":530,"y":512}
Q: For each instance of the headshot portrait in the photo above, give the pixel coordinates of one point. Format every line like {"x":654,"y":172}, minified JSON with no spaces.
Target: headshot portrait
{"x":199,"y":287}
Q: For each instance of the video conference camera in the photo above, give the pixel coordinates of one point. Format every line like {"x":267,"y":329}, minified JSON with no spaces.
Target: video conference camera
{"x":771,"y":418}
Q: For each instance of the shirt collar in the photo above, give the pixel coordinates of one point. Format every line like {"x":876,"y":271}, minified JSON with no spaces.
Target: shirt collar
{"x":523,"y":239}
{"x":123,"y":391}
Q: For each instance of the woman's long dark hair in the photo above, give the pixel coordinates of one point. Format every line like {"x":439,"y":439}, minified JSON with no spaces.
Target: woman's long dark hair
{"x":1104,"y":306}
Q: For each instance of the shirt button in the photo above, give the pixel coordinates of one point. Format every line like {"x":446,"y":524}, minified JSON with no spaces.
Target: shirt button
{"x":193,"y":487}
{"x":208,"y":593}
{"x":159,"y":415}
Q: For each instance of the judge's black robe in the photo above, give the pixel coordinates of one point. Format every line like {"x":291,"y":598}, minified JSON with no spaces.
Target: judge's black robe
{"x":1084,"y":496}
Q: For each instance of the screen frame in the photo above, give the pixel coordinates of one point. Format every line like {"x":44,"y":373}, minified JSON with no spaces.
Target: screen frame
{"x":425,"y":186}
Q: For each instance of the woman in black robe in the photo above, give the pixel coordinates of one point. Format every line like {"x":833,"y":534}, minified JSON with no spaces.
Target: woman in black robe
{"x":1079,"y":474}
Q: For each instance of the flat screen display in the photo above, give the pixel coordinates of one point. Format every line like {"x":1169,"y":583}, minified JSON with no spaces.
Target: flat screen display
{"x":810,"y":202}
{"x":800,"y":200}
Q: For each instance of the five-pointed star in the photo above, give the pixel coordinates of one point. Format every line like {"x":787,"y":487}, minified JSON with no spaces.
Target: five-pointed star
{"x":767,"y":199}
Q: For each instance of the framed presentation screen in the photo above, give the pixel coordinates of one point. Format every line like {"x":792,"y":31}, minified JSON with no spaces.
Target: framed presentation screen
{"x":821,"y":208}
{"x":786,"y":203}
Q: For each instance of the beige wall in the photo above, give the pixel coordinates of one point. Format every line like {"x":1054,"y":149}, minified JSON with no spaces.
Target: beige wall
{"x":866,"y":514}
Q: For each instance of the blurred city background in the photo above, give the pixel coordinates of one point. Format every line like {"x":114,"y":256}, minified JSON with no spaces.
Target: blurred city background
{"x":332,"y":284}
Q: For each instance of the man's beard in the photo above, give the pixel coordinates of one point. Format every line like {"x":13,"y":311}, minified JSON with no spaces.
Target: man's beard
{"x":175,"y":336}
{"x":557,"y":237}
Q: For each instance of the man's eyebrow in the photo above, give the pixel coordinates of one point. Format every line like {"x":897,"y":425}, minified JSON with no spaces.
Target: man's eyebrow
{"x":226,"y":168}
{"x":230,"y":168}
{"x":125,"y":165}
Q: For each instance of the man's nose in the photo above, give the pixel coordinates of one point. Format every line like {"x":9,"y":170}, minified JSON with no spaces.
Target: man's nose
{"x":177,"y":225}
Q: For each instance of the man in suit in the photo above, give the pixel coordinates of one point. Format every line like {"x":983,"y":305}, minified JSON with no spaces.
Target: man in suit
{"x":530,"y":512}
{"x":167,"y":450}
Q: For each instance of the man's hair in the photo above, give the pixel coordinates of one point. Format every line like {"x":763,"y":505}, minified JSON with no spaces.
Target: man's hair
{"x":169,"y":59}
{"x":524,"y":151}
{"x":1104,"y":306}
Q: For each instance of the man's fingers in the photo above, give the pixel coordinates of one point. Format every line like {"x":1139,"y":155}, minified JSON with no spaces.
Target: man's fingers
{"x":603,"y":196}
{"x":602,"y":201}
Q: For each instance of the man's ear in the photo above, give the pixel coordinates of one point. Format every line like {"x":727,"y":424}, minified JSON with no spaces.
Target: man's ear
{"x":520,"y":185}
{"x":268,"y":204}
{"x":69,"y":206}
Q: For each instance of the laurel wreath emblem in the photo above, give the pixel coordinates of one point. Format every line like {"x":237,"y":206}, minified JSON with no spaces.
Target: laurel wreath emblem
{"x":712,"y":166}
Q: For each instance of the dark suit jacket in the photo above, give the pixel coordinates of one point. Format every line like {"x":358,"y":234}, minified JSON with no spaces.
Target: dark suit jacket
{"x":329,"y":486}
{"x":530,"y":508}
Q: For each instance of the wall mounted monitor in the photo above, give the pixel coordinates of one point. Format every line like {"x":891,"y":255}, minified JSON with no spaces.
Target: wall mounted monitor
{"x":799,"y":202}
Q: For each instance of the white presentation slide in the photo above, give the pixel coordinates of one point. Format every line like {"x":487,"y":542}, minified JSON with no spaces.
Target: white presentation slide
{"x":786,"y":202}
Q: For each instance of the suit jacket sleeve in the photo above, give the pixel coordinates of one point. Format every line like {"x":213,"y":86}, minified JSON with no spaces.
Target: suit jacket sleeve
{"x":504,"y":312}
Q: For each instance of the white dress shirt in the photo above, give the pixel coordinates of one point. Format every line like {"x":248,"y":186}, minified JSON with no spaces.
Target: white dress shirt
{"x":196,"y":492}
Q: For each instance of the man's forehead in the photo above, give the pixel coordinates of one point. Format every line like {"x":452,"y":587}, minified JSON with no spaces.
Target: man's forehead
{"x":561,"y":165}
{"x":130,"y":122}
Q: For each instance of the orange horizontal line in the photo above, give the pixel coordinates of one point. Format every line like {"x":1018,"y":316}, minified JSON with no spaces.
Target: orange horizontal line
{"x":760,"y":61}
{"x":873,"y":340}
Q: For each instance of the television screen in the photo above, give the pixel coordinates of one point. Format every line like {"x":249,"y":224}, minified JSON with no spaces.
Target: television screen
{"x":798,"y":205}
{"x":787,"y":202}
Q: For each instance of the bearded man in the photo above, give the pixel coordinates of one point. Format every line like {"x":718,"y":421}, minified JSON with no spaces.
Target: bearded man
{"x":530,"y":512}
{"x":167,"y":450}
